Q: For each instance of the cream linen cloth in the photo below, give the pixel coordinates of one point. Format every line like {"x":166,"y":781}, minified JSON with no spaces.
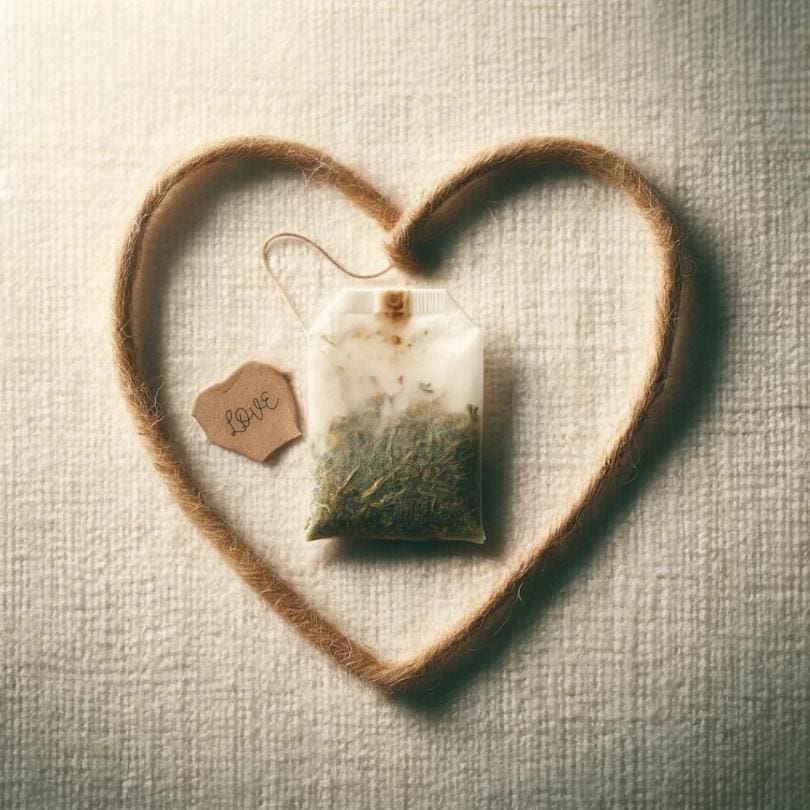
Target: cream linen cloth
{"x":668,"y":666}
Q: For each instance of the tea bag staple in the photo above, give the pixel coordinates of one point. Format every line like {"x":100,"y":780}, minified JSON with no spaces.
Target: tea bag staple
{"x":395,"y":380}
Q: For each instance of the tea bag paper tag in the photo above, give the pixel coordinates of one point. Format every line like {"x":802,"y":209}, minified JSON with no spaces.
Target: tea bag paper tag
{"x":252,"y":412}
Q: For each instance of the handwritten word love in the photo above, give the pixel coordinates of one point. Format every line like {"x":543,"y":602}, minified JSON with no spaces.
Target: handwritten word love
{"x":236,"y":417}
{"x":239,"y":420}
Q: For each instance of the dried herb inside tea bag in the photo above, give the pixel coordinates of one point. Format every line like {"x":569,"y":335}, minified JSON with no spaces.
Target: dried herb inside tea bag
{"x":395,"y":411}
{"x":411,"y":474}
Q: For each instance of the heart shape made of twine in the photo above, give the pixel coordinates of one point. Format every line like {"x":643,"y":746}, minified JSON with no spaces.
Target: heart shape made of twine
{"x":406,"y":232}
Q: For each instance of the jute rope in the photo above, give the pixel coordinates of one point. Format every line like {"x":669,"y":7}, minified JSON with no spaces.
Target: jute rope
{"x":405,"y":234}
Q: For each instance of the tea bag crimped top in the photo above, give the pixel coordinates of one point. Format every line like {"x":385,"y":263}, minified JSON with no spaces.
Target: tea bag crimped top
{"x":395,"y":407}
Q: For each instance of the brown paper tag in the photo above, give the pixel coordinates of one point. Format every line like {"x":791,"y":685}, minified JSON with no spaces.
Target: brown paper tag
{"x":253,"y":412}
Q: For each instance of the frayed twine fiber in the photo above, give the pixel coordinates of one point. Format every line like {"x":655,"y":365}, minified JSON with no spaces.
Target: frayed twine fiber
{"x":405,"y":231}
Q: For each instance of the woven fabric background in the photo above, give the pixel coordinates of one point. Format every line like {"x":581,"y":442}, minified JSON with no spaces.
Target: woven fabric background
{"x":666,"y":665}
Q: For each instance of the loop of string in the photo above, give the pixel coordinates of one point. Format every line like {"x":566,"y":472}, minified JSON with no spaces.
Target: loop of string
{"x":276,"y":237}
{"x":404,"y":230}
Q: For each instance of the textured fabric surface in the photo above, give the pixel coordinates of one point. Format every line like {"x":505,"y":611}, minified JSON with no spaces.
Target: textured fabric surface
{"x":666,"y":664}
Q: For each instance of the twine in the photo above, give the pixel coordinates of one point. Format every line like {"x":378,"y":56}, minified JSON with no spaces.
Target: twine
{"x":406,"y":233}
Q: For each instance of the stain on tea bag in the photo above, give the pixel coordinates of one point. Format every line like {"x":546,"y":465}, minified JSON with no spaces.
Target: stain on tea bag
{"x":395,"y":401}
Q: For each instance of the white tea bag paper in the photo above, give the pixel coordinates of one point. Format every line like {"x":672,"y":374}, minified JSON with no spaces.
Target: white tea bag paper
{"x":395,"y":415}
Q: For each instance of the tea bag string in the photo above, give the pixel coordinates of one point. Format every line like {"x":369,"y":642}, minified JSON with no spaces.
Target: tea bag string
{"x":276,"y":237}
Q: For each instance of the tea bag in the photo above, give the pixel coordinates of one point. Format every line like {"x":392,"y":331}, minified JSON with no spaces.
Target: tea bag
{"x":395,"y":382}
